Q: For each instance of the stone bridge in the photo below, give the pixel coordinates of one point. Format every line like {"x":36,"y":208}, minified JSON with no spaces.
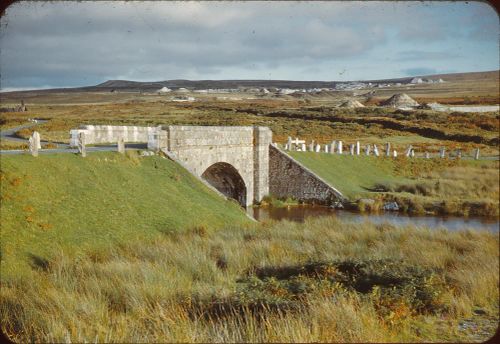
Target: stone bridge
{"x":234,"y":160}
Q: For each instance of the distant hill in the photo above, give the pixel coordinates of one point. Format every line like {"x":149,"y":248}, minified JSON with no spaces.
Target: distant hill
{"x":138,"y":86}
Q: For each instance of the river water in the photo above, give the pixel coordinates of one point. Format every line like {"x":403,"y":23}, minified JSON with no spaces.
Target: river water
{"x":299,"y":213}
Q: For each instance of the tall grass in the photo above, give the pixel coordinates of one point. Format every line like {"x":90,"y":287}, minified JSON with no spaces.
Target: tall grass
{"x":175,"y":288}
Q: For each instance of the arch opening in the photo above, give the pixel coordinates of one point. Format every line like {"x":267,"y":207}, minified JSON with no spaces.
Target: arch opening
{"x":225,"y":178}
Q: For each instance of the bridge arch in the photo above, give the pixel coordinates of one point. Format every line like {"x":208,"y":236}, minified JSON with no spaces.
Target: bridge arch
{"x":226,"y":178}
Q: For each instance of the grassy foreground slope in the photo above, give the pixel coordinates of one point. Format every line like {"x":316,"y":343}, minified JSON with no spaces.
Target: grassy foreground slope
{"x":320,"y":281}
{"x":62,"y":202}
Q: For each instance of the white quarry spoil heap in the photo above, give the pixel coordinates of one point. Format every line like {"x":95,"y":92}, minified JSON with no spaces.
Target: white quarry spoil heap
{"x":400,"y":100}
{"x":351,"y":104}
{"x":164,"y":90}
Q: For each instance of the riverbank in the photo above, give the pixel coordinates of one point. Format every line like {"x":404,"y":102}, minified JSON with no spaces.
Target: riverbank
{"x":417,"y":186}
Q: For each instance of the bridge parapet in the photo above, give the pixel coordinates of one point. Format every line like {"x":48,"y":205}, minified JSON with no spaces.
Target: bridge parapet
{"x":96,"y":134}
{"x":200,"y":147}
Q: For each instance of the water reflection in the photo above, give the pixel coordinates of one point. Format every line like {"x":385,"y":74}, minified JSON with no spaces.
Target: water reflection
{"x":299,"y":213}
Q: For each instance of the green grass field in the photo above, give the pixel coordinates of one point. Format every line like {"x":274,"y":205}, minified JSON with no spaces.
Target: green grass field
{"x":439,"y":186}
{"x":122,"y":248}
{"x":63,"y":202}
{"x":351,"y":175}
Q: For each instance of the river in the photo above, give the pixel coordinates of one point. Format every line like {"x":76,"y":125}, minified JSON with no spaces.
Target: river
{"x":299,"y":213}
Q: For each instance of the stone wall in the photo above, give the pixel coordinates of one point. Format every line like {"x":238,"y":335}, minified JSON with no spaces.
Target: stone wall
{"x":289,"y":178}
{"x":96,"y":134}
{"x":244,"y":148}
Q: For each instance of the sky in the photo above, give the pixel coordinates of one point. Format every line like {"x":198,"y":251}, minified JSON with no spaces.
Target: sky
{"x":70,"y":44}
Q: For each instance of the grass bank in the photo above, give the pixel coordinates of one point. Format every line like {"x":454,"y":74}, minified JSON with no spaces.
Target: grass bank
{"x":62,"y":202}
{"x":440,"y":186}
{"x":320,"y":281}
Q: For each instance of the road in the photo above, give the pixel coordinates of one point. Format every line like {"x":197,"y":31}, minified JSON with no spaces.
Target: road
{"x":10,"y":135}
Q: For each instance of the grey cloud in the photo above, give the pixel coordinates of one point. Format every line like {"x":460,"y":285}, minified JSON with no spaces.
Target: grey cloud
{"x":63,"y":43}
{"x":420,"y":55}
{"x":419,"y":71}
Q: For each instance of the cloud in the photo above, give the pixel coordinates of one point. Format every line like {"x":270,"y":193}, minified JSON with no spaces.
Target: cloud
{"x":64,"y":43}
{"x":421,"y":55}
{"x":419,"y":71}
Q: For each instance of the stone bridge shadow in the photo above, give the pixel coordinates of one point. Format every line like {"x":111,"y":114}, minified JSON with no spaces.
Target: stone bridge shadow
{"x":226,"y":178}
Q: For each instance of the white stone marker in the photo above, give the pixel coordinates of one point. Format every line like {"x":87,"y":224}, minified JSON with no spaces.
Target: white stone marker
{"x":387,"y":149}
{"x":368,"y":149}
{"x":375,"y":150}
{"x":81,"y":145}
{"x":318,"y":148}
{"x":339,"y":147}
{"x":333,"y":145}
{"x":326,"y":148}
{"x":311,"y":146}
{"x":303,"y":147}
{"x":395,"y":153}
{"x":476,"y":154}
{"x":442,"y":152}
{"x":121,"y":145}
{"x":351,"y":149}
{"x":36,"y":136}
{"x":357,"y":148}
{"x":408,"y":151}
{"x":412,"y":153}
{"x":289,"y":143}
{"x":33,"y":147}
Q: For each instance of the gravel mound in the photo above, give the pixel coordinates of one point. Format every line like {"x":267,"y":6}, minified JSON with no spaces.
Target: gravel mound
{"x":351,"y":104}
{"x":400,"y":100}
